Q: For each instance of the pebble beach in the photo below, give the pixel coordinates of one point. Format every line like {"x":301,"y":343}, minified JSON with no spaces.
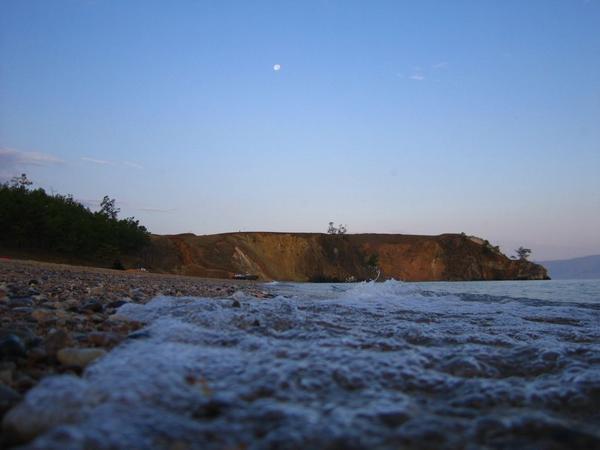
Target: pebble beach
{"x":56,"y":319}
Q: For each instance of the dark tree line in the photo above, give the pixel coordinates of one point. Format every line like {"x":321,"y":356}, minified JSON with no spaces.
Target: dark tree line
{"x":30,"y":219}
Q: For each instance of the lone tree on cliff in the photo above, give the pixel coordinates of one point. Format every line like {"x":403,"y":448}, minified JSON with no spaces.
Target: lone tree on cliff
{"x":523,"y":253}
{"x":108,"y":208}
{"x":341,"y":229}
{"x":21,"y":182}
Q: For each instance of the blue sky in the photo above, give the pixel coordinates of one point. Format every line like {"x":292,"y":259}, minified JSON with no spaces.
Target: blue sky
{"x":390,"y":116}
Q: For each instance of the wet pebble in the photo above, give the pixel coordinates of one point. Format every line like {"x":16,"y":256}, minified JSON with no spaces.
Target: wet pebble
{"x":24,"y":382}
{"x":79,"y":357}
{"x":102,"y":339}
{"x":71,"y":304}
{"x":12,"y":347}
{"x":92,"y":305}
{"x":22,"y":310}
{"x":56,"y":340}
{"x":8,"y":398}
{"x":116,"y":304}
{"x":33,"y":291}
{"x":211,"y":409}
{"x":139,"y":335}
{"x":394,"y":418}
{"x":37,"y":354}
{"x":16,"y":302}
{"x":45,"y":315}
{"x":7,"y":369}
{"x":550,"y":355}
{"x":18,"y":329}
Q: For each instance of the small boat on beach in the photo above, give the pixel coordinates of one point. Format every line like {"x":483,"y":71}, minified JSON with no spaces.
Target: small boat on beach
{"x":245,"y":276}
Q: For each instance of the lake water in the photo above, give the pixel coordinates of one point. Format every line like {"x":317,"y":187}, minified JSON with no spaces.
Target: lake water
{"x":348,"y":366}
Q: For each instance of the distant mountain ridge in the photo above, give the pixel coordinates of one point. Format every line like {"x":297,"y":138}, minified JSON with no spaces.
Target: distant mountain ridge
{"x":585,"y":267}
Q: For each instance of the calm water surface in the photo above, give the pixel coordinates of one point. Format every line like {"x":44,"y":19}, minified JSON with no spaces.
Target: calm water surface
{"x":575,"y":291}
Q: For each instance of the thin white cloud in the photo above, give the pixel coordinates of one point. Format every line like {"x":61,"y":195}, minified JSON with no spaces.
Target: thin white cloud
{"x":102,"y":162}
{"x":440,"y":65}
{"x":132,"y":164}
{"x":106,"y":162}
{"x":14,"y":162}
{"x":11,"y":157}
{"x":417,"y":77}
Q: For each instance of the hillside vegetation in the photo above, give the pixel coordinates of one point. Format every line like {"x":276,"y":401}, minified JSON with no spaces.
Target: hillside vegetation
{"x":33,"y":221}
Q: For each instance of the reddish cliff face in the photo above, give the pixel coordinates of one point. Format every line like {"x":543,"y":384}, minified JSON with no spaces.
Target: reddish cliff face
{"x":321,"y":257}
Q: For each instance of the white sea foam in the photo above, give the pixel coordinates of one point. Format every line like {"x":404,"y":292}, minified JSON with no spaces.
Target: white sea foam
{"x":338,"y":366}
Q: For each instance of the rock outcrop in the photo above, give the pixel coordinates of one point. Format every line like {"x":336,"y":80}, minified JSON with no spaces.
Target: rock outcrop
{"x":322,"y":257}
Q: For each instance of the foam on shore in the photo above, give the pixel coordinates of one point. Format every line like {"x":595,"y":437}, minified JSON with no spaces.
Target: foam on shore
{"x":321,"y":366}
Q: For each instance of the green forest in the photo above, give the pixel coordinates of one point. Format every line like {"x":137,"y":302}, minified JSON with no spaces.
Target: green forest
{"x":32,"y":220}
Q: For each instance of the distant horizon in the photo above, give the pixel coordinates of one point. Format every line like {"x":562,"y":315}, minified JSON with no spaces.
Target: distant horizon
{"x":568,"y":259}
{"x":414,"y":118}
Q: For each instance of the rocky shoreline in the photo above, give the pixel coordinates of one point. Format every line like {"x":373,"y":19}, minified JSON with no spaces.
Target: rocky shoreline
{"x":56,"y":318}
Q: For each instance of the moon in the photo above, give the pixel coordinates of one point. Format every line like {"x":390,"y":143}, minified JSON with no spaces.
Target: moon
{"x":277,"y":67}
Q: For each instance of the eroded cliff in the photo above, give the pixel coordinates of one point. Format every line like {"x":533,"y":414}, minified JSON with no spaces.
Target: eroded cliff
{"x":322,"y":257}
